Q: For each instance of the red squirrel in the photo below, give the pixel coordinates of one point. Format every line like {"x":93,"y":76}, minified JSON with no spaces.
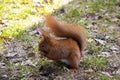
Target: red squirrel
{"x":69,"y":49}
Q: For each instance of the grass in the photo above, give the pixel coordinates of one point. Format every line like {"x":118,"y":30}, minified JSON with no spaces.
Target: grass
{"x":104,"y":77}
{"x":95,"y":62}
{"x":21,"y":70}
{"x":18,"y":12}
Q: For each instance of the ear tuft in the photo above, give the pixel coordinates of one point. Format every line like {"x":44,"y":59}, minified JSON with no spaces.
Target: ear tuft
{"x":42,"y":32}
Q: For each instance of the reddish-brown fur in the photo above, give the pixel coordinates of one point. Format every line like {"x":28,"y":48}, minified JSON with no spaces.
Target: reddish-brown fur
{"x":68,"y":30}
{"x":69,"y":49}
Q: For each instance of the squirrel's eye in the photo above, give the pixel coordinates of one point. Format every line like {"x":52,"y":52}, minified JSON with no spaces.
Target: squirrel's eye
{"x":42,"y":46}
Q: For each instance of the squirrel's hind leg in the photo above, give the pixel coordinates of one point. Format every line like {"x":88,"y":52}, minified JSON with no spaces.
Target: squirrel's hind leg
{"x":74,"y":62}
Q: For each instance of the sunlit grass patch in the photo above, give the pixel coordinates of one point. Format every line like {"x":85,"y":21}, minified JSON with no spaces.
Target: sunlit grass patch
{"x":17,"y":13}
{"x":16,"y":27}
{"x":11,"y":9}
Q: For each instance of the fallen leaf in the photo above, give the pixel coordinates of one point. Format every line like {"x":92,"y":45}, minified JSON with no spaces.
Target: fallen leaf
{"x":101,"y":41}
{"x":31,"y":54}
{"x":89,"y":71}
{"x":118,"y":72}
{"x":90,"y":40}
{"x":118,"y":4}
{"x":28,"y":62}
{"x":33,"y":32}
{"x":11,"y":55}
{"x":105,"y":54}
{"x":106,"y":73}
{"x":114,"y":19}
{"x":2,"y":65}
{"x":114,"y":48}
{"x":1,"y":22}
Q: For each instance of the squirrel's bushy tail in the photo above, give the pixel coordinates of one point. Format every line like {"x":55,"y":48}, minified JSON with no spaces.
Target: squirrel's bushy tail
{"x":61,"y":29}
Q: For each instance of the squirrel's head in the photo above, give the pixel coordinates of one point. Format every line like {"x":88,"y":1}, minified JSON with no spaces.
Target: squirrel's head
{"x":45,"y":43}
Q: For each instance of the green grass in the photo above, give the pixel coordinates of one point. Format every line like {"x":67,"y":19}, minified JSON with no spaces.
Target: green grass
{"x":17,"y":13}
{"x":95,"y":62}
{"x":22,"y":69}
{"x":103,"y":77}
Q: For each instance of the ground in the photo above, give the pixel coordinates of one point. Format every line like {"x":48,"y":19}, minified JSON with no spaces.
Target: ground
{"x":19,"y":58}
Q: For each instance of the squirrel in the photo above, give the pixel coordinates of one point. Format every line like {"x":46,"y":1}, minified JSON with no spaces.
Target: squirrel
{"x":69,"y":49}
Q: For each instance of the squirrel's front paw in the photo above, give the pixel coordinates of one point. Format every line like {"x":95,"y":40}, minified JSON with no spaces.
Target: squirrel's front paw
{"x":73,"y":71}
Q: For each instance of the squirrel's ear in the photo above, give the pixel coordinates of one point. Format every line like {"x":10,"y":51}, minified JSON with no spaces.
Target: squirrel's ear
{"x":42,"y":32}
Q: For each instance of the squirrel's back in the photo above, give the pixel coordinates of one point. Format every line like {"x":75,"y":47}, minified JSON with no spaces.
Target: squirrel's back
{"x":61,"y":29}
